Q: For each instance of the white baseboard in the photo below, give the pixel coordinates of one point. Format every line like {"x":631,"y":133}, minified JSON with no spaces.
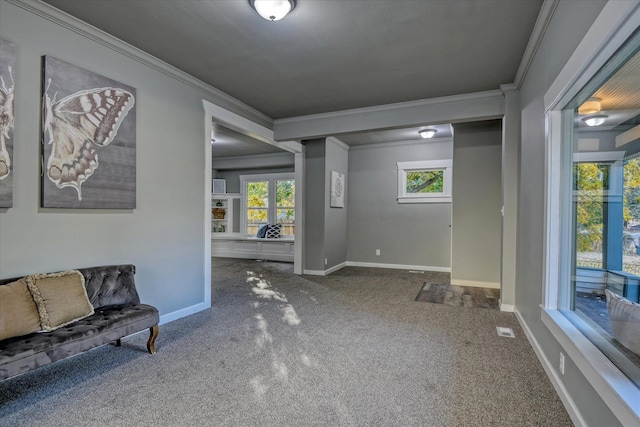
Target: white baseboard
{"x":475,"y":284}
{"x":398,"y":266}
{"x":558,"y":385}
{"x":325,"y":272}
{"x":253,"y":255}
{"x":336,"y":268}
{"x":507,"y":307}
{"x":175,"y":315}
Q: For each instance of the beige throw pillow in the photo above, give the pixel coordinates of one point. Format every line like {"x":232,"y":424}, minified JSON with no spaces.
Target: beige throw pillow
{"x":18,"y":312}
{"x":61,"y":298}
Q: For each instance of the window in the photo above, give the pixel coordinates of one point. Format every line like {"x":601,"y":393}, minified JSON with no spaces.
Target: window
{"x":595,"y":192}
{"x":427,"y":181}
{"x":268,"y":199}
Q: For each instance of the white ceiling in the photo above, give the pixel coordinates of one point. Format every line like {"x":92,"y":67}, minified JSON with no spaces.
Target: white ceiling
{"x":327,"y":55}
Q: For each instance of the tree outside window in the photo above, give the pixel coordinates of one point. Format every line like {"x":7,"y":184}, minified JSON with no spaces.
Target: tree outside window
{"x":258,"y":202}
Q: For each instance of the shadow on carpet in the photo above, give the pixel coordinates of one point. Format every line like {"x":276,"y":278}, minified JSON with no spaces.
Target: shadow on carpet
{"x":462,"y":296}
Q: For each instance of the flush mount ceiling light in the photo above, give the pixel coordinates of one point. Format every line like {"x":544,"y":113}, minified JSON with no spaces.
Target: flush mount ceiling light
{"x":273,"y":10}
{"x":595,"y":120}
{"x":427,"y":133}
{"x":590,"y":106}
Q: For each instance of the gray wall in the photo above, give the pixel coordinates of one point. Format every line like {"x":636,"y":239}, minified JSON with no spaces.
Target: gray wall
{"x":408,"y":234}
{"x":477,"y":199}
{"x":569,"y":24}
{"x":335,"y":227}
{"x":325,"y":227}
{"x":163,"y":236}
{"x":314,"y":204}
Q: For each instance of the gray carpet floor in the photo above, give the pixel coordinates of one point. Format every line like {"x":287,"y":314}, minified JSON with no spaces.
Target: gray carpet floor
{"x":276,"y":349}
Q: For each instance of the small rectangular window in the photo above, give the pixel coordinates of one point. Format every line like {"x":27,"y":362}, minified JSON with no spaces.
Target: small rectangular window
{"x":427,"y":181}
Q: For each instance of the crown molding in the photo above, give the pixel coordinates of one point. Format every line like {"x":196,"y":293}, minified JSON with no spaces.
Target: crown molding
{"x":539,"y":29}
{"x":395,"y":106}
{"x":266,"y":156}
{"x":391,"y":144}
{"x":338,"y":142}
{"x":105,"y":39}
{"x":508,"y":87}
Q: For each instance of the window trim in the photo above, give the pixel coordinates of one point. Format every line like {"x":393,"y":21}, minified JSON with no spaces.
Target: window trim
{"x":271,"y":178}
{"x":445,"y":165}
{"x":611,"y":29}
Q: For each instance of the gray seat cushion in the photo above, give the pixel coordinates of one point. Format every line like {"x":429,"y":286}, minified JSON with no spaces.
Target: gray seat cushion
{"x":107,"y":324}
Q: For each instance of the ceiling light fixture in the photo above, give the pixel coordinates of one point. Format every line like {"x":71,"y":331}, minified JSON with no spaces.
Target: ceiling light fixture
{"x":273,"y":10}
{"x":427,"y":133}
{"x":590,"y":106}
{"x":595,"y":120}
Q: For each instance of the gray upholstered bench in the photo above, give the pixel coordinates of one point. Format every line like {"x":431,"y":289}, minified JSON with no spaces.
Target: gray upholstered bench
{"x":117,"y":313}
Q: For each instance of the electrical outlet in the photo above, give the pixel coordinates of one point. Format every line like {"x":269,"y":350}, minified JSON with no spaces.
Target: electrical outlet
{"x":377,"y":252}
{"x":561,"y":363}
{"x":326,"y":261}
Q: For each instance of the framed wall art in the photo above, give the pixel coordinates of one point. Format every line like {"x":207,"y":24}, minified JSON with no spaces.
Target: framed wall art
{"x":88,"y":139}
{"x":337,"y":190}
{"x":7,"y":67}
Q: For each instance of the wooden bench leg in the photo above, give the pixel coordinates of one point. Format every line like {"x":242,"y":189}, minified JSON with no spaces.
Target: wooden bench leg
{"x":153,"y":334}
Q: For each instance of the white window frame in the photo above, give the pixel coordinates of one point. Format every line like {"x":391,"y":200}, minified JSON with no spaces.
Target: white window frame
{"x":445,"y":165}
{"x":615,"y":24}
{"x":271,"y":178}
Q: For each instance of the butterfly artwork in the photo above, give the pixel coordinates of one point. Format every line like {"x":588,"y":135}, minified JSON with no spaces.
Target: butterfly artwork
{"x":88,"y":139}
{"x":7,"y":64}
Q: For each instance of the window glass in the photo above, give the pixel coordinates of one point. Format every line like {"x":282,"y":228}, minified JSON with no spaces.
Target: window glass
{"x":257,"y":205}
{"x":285,"y":206}
{"x":601,"y":290}
{"x":425,"y":181}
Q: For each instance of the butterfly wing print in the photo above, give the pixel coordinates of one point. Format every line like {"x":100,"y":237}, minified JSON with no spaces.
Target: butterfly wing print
{"x":6,"y":127}
{"x":77,"y":124}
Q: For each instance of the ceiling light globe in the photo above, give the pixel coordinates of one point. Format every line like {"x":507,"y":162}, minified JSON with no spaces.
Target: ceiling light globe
{"x":273,"y":10}
{"x":595,"y":120}
{"x":427,"y":133}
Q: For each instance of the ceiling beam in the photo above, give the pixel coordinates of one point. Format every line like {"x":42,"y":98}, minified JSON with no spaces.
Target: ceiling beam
{"x":449,"y":109}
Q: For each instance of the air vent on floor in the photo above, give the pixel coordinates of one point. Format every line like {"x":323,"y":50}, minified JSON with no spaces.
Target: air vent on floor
{"x":505,"y":332}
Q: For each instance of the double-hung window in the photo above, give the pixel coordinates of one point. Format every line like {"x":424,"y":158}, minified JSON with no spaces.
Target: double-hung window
{"x":268,"y":199}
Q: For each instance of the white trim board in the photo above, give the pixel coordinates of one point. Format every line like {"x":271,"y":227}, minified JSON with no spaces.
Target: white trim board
{"x":539,"y":29}
{"x":599,"y":371}
{"x":178,"y":314}
{"x":475,"y":284}
{"x":564,"y":395}
{"x":325,"y":272}
{"x":508,"y":308}
{"x":615,"y":24}
{"x":398,"y":266}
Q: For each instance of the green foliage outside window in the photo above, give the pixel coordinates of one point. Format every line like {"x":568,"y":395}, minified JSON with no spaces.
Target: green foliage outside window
{"x":431,"y":181}
{"x":257,"y":197}
{"x":258,"y":205}
{"x":592,"y":180}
